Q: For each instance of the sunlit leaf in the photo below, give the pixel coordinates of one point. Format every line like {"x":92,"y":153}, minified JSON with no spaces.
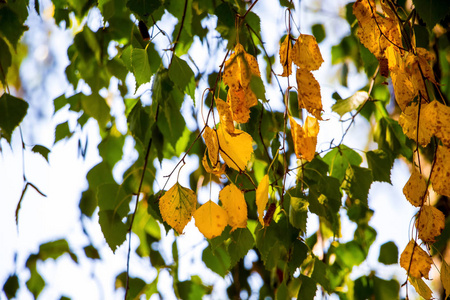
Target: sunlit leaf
{"x":241,"y":242}
{"x":305,"y":138}
{"x":233,"y":202}
{"x":286,"y":57}
{"x":211,"y":141}
{"x":415,"y":260}
{"x":240,"y":100}
{"x":306,"y":53}
{"x":236,"y":149}
{"x":177,"y":206}
{"x":435,"y":117}
{"x":440,"y":177}
{"x":430,"y":223}
{"x":217,"y":260}
{"x":445,"y":278}
{"x":262,"y":197}
{"x":408,"y":121}
{"x":225,"y":115}
{"x":415,"y":190}
{"x":421,"y":288}
{"x":218,"y":169}
{"x":239,"y":68}
{"x":341,"y":107}
{"x":309,"y":93}
{"x":210,"y":219}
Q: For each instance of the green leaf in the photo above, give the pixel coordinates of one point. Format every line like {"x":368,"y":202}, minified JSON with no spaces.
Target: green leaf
{"x":36,"y":283}
{"x":5,"y":60}
{"x":144,"y":62}
{"x":44,"y":151}
{"x":282,"y":291}
{"x":257,"y":86}
{"x":386,"y":289}
{"x":389,"y":136}
{"x":107,"y":8}
{"x":357,"y":183}
{"x":11,"y":24}
{"x":432,"y":12}
{"x":170,"y":120}
{"x":192,"y":289}
{"x":91,"y":252}
{"x":140,"y":123}
{"x":112,"y":227}
{"x":339,"y":159}
{"x":344,"y":106}
{"x":308,"y":288}
{"x":298,"y":213}
{"x":95,"y":106}
{"x":112,"y":196}
{"x":218,"y":260}
{"x":143,"y":8}
{"x":318,"y":30}
{"x":388,"y":253}
{"x":299,"y":252}
{"x":11,"y":286}
{"x":110,"y":148}
{"x":12,"y":112}
{"x":55,"y":249}
{"x":241,"y":242}
{"x":136,"y":286}
{"x":182,"y":75}
{"x":380,"y":162}
{"x":350,"y":254}
{"x":320,"y":274}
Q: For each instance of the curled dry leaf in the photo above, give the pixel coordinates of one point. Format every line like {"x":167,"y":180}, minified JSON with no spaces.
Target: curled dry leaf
{"x":212,"y":144}
{"x":305,"y":138}
{"x":262,"y":197}
{"x":306,"y":53}
{"x":217,"y":170}
{"x":415,"y":190}
{"x":440,"y":176}
{"x":408,"y":122}
{"x":236,"y":149}
{"x":415,"y":260}
{"x":309,"y":93}
{"x":210,"y":219}
{"x":177,"y":206}
{"x":430,"y":223}
{"x":233,"y":202}
{"x":286,"y":57}
{"x":225,"y":115}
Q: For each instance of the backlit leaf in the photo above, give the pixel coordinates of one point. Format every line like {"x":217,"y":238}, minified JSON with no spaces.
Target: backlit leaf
{"x":440,"y":177}
{"x":435,"y":117}
{"x":286,"y":57}
{"x":415,"y":190}
{"x":233,"y":202}
{"x":95,"y":106}
{"x":182,"y":75}
{"x":358,"y":182}
{"x":239,"y":68}
{"x":421,"y":288}
{"x":210,"y":219}
{"x":305,"y":138}
{"x":380,"y":162}
{"x":408,"y":122}
{"x":445,"y":278}
{"x":415,"y":260}
{"x":114,"y":230}
{"x":309,"y":93}
{"x":217,"y":170}
{"x":241,"y":242}
{"x":217,"y":260}
{"x":403,"y":88}
{"x":225,"y":115}
{"x":344,"y":106}
{"x":211,"y":141}
{"x":240,"y":100}
{"x":306,"y":53}
{"x":177,"y":206}
{"x":236,"y":148}
{"x":430,"y":223}
{"x":12,"y":112}
{"x":262,"y":197}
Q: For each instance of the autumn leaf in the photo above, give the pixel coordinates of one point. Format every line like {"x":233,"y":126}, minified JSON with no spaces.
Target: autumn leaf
{"x":435,"y":117}
{"x":420,"y":264}
{"x":415,"y":190}
{"x":305,"y":138}
{"x":217,"y":170}
{"x":210,"y":219}
{"x":286,"y":57}
{"x":440,"y":176}
{"x":233,"y":202}
{"x":408,"y":122}
{"x":445,"y":278}
{"x":309,"y":93}
{"x":240,"y":101}
{"x":362,"y":9}
{"x":430,"y":223}
{"x":177,"y":206}
{"x":306,"y":53}
{"x":236,"y":149}
{"x":421,"y":288}
{"x":225,"y":115}
{"x":212,"y":144}
{"x":403,"y":88}
{"x":262,"y":197}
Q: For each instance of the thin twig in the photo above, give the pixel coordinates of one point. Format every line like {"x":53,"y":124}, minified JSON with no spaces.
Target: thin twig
{"x":179,"y":32}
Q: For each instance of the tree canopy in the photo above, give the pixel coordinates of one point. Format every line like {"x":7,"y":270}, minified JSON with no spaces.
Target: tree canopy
{"x":201,"y":80}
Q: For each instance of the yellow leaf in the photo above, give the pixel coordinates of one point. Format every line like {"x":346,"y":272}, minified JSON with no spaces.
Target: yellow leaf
{"x":435,"y":117}
{"x":440,"y":176}
{"x":262,"y":197}
{"x":430,"y":223}
{"x":408,"y":122}
{"x":225,"y":115}
{"x":210,"y":219}
{"x":240,"y":101}
{"x":403,"y":88}
{"x":212,"y":144}
{"x":177,"y":206}
{"x":240,"y":68}
{"x":445,"y":278}
{"x":415,"y":190}
{"x":309,"y":93}
{"x":420,"y":264}
{"x":306,"y":53}
{"x":233,"y":202}
{"x":362,"y":9}
{"x":217,"y":170}
{"x":286,"y":57}
{"x":305,"y":139}
{"x":236,"y":149}
{"x":421,"y":288}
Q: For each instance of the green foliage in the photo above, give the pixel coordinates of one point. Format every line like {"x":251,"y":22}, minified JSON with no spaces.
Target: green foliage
{"x":12,"y":111}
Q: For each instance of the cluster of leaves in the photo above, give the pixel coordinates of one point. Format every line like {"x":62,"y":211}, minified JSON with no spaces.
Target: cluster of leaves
{"x":250,"y":151}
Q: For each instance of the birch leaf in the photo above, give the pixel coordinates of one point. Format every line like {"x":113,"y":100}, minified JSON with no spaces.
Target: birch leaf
{"x":353,"y":102}
{"x":440,"y":177}
{"x":225,"y":115}
{"x":430,"y":223}
{"x":233,"y":202}
{"x":408,"y":122}
{"x":212,"y":144}
{"x":217,"y":170}
{"x":240,"y":68}
{"x":262,"y":197}
{"x":415,"y":190}
{"x":435,"y":117}
{"x":421,"y":288}
{"x":236,"y":148}
{"x":210,"y":219}
{"x":309,"y":93}
{"x":305,"y":139}
{"x":306,"y":53}
{"x":420,"y":264}
{"x":445,"y":278}
{"x":286,"y":57}
{"x":177,"y":206}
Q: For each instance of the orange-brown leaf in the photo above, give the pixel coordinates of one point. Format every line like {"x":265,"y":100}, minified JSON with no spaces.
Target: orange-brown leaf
{"x":210,"y":219}
{"x":415,"y":260}
{"x":305,"y":138}
{"x":430,"y":223}
{"x":306,"y":53}
{"x":440,"y":176}
{"x":309,"y":93}
{"x":286,"y":57}
{"x":240,"y":68}
{"x":233,"y":202}
{"x":225,"y":115}
{"x":415,"y":190}
{"x":240,"y":101}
